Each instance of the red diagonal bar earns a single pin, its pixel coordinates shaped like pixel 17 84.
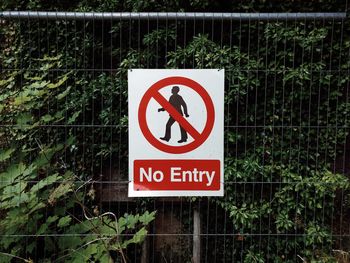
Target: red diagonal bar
pixel 176 115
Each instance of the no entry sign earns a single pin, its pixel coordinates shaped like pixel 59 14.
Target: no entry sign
pixel 176 132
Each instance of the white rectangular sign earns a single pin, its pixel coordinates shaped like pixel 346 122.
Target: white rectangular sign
pixel 176 132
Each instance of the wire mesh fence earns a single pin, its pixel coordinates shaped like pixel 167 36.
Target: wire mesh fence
pixel 287 149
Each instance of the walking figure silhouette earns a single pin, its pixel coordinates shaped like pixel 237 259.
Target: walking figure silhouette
pixel 178 103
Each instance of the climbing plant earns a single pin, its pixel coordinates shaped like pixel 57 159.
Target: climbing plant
pixel 286 117
pixel 48 208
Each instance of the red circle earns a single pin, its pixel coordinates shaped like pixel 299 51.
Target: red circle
pixel 179 81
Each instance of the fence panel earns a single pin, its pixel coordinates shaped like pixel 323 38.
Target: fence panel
pixel 287 149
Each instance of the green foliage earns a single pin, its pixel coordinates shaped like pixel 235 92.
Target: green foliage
pixel 40 188
pixel 298 204
pixel 253 257
pixel 286 115
pixel 290 154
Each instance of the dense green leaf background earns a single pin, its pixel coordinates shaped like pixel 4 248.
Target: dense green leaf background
pixel 63 106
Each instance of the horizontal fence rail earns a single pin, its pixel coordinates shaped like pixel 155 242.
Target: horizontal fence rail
pixel 169 15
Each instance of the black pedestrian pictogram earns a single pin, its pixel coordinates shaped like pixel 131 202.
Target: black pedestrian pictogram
pixel 178 103
pixel 199 137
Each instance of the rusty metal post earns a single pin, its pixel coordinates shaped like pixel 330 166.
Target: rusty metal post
pixel 196 253
pixel 144 252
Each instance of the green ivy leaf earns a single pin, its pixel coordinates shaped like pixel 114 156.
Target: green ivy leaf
pixel 24 119
pixel 60 191
pixel 63 94
pixel 147 217
pixel 22 99
pixel 47 118
pixel 64 221
pixel 74 117
pixel 58 83
pixel 6 154
pixel 12 173
pixel 137 238
pixel 44 182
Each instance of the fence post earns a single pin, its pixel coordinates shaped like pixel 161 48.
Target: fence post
pixel 196 258
pixel 144 252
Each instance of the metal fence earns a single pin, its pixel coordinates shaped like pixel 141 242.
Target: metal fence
pixel 286 124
